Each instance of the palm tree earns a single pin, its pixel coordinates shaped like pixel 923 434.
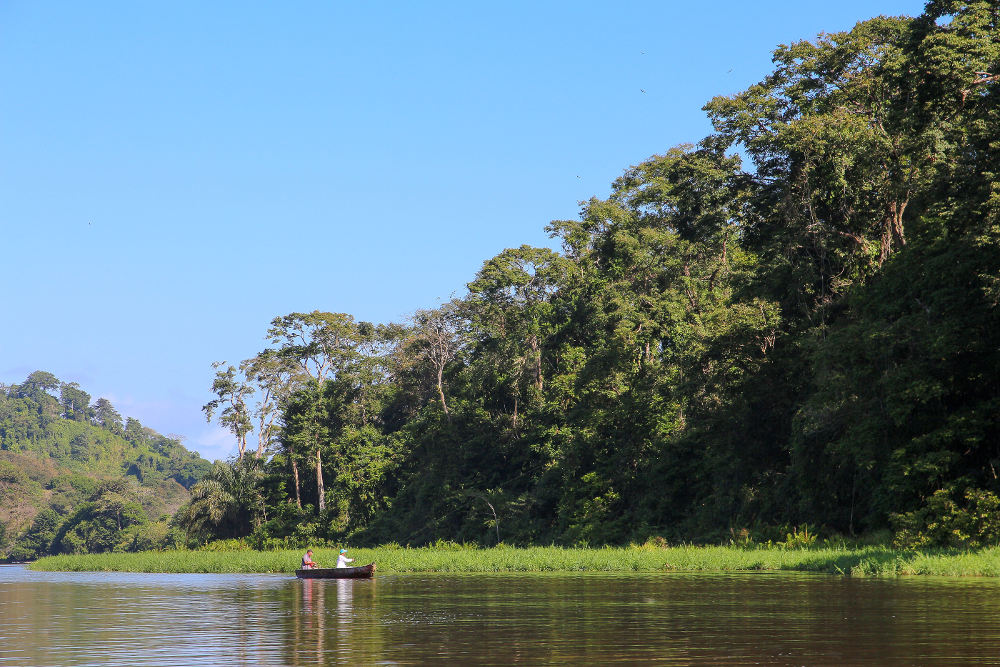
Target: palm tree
pixel 227 502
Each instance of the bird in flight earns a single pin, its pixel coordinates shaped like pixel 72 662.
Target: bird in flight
pixel 642 90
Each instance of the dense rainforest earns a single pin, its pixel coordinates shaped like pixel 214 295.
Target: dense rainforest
pixel 75 477
pixel 793 321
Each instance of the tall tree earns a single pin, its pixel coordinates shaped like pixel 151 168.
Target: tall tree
pixel 319 345
pixel 510 311
pixel 435 338
pixel 38 383
pixel 135 432
pixel 107 416
pixel 271 376
pixel 75 402
pixel 227 502
pixel 231 391
pixel 655 315
pixel 841 145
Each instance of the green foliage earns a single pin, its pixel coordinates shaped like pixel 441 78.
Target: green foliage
pixel 11 474
pixel 808 342
pixel 101 523
pixel 288 521
pixel 229 545
pixel 800 537
pixel 945 522
pixel 39 538
pixel 86 438
pixel 159 535
pixel 226 502
pixel 61 464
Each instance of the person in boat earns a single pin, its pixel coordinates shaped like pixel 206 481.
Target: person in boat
pixel 343 560
pixel 307 561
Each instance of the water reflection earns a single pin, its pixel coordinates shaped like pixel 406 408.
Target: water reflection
pixel 322 614
pixel 131 619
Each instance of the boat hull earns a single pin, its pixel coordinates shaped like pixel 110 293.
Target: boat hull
pixel 362 572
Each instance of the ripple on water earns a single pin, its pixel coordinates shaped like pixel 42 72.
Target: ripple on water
pixel 131 619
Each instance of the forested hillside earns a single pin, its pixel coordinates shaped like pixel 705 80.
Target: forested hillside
pixel 76 477
pixel 792 321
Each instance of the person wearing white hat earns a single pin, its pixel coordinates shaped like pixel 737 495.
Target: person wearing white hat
pixel 343 560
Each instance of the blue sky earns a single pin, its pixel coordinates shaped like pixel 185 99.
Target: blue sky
pixel 174 175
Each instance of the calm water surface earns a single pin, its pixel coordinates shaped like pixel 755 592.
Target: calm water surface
pixel 49 618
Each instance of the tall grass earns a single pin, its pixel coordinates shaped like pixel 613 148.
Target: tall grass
pixel 862 561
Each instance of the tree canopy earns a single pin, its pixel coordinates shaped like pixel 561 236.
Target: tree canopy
pixel 793 320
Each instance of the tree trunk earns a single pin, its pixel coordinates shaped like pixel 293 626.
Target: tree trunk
pixel 725 244
pixel 320 490
pixel 295 476
pixel 440 386
pixel 319 479
pixel 537 353
pixel 263 435
pixel 893 230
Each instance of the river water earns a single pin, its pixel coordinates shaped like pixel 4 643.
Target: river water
pixel 49 618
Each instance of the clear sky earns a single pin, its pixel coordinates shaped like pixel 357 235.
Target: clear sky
pixel 173 175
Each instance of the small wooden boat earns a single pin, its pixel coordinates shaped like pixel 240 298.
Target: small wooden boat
pixel 362 572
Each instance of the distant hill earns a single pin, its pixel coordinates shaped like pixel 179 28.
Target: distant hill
pixel 65 459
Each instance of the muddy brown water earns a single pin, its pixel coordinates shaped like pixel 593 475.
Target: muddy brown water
pixel 50 618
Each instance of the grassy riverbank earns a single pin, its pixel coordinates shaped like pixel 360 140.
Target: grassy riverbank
pixel 864 561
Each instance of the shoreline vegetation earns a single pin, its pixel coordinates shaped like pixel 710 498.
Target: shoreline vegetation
pixel 857 561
